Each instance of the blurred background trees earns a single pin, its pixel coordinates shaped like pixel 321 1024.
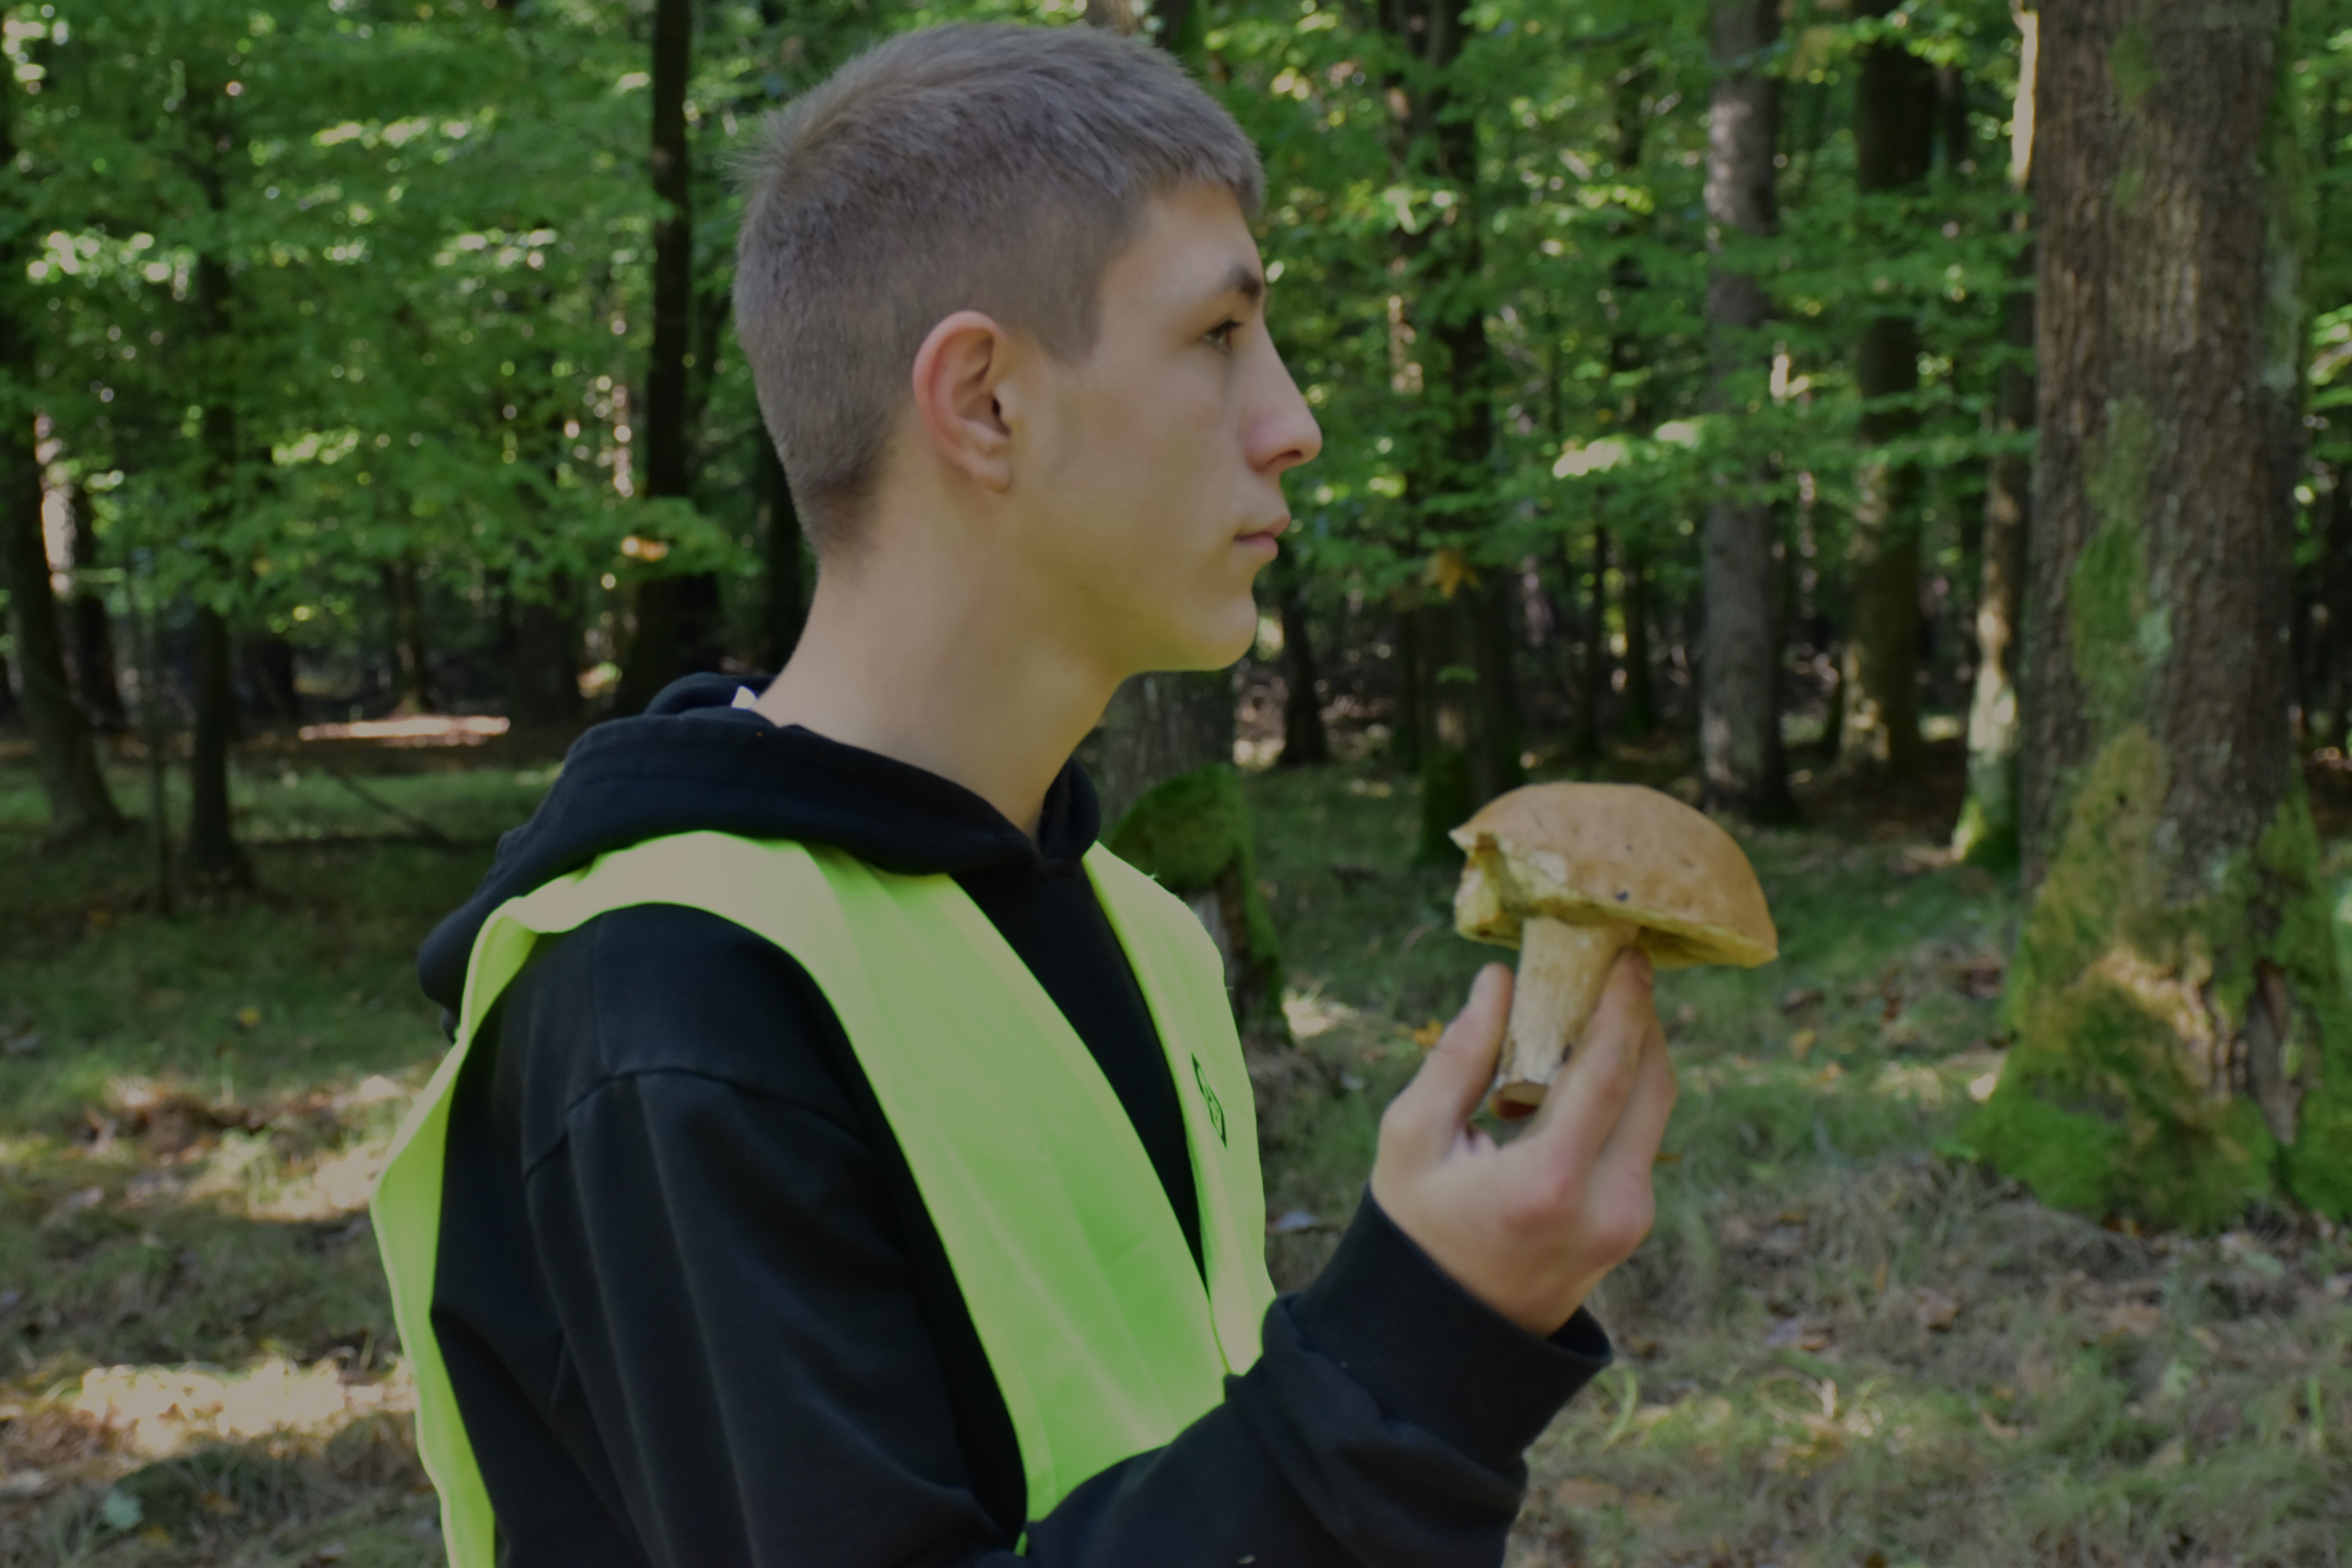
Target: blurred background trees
pixel 1675 360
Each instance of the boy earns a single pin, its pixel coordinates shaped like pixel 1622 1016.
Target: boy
pixel 846 1164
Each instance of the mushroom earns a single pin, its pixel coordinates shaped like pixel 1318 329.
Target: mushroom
pixel 1573 874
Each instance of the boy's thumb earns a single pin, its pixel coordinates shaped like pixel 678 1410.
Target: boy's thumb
pixel 1460 1067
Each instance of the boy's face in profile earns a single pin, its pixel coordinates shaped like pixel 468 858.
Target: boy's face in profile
pixel 1146 482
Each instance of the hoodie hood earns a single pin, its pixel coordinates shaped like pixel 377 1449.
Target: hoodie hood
pixel 693 762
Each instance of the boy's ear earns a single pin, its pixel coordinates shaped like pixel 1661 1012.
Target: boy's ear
pixel 959 395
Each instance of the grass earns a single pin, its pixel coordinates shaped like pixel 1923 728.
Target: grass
pixel 1845 1343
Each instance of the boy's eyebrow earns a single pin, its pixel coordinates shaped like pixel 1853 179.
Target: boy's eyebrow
pixel 1241 278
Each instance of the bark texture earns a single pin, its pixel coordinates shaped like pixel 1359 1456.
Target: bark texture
pixel 2182 1037
pixel 1740 765
pixel 1894 140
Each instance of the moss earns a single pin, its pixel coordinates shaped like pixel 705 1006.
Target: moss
pixel 2115 636
pixel 2131 64
pixel 2316 1169
pixel 2125 1003
pixel 1189 832
pixel 2117 999
pixel 1986 833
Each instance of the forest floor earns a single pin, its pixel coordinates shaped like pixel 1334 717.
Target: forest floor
pixel 1845 1343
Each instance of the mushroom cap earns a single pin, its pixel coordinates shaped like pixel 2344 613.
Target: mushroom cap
pixel 1595 853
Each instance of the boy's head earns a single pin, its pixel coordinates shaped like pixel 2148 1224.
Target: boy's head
pixel 985 284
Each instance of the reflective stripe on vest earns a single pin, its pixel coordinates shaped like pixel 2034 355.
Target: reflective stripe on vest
pixel 1065 1247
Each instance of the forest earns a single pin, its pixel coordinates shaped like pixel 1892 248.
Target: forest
pixel 1903 430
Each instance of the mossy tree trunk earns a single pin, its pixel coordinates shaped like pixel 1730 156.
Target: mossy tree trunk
pixel 1159 726
pixel 2183 1045
pixel 1193 833
pixel 1894 140
pixel 1986 833
pixel 1740 761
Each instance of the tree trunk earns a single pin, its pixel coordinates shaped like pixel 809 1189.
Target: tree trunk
pixel 9 710
pixel 1494 730
pixel 64 756
pixel 268 661
pixel 675 614
pixel 1159 726
pixel 213 855
pixel 1639 713
pixel 1591 671
pixel 95 678
pixel 1740 765
pixel 63 753
pixel 543 673
pixel 1411 735
pixel 2332 690
pixel 1448 794
pixel 412 671
pixel 780 535
pixel 1894 134
pixel 1304 741
pixel 1986 833
pixel 2181 1038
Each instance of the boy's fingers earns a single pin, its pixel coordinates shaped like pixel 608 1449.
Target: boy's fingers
pixel 1632 1146
pixel 1590 1094
pixel 1454 1076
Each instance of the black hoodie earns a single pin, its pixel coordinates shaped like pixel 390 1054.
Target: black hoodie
pixel 693 1308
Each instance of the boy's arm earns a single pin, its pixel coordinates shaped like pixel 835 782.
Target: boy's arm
pixel 741 1307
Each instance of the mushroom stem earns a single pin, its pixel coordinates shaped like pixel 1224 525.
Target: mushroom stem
pixel 1562 968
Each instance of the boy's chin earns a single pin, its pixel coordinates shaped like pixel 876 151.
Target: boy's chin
pixel 1199 648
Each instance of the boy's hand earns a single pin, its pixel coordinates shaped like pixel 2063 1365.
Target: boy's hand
pixel 1531 1227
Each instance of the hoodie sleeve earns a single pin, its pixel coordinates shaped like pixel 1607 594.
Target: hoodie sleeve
pixel 764 1370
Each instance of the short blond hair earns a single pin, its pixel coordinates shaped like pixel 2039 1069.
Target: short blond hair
pixel 992 166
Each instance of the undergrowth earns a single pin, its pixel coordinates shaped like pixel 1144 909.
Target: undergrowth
pixel 1844 1343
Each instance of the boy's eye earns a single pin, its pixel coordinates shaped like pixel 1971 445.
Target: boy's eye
pixel 1228 327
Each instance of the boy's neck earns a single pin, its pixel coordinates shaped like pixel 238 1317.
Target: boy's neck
pixel 933 670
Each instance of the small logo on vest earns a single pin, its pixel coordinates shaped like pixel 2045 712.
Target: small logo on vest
pixel 1216 1110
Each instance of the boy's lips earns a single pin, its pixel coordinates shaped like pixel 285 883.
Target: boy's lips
pixel 1267 534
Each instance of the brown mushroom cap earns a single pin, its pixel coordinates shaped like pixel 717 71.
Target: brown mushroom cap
pixel 1594 853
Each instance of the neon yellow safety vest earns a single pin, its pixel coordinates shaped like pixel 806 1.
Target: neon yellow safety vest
pixel 1080 1284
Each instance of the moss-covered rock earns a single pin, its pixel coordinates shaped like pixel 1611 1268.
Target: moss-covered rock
pixel 1192 833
